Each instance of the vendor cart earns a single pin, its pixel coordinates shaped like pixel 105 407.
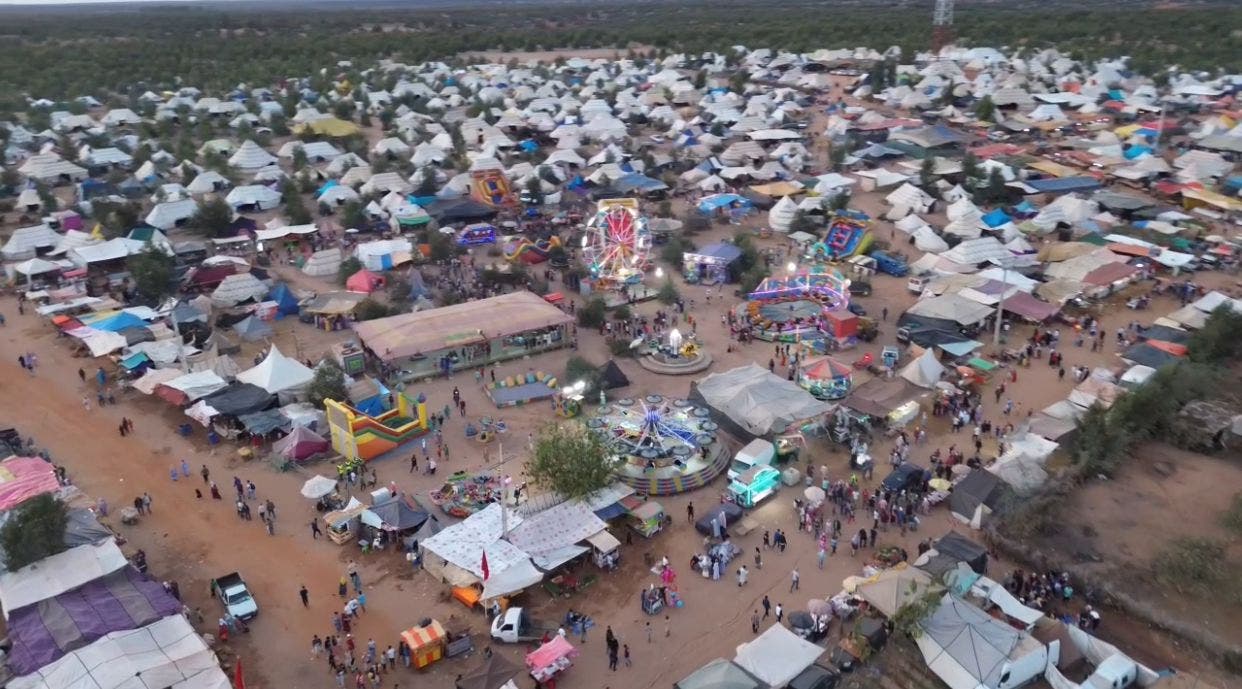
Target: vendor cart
pixel 551 659
pixel 342 525
pixel 647 519
pixel 605 550
pixel 427 642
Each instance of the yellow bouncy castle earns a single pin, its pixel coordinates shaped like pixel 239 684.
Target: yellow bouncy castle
pixel 359 436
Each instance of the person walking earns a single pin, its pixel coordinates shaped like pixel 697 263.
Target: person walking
pixel 794 580
pixel 206 474
pixel 612 659
pixel 146 502
pixel 780 613
pixel 648 628
pixel 767 607
pixel 742 574
pixel 668 627
pixel 315 532
pixel 625 650
pixel 754 622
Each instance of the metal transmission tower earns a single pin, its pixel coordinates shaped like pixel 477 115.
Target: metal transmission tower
pixel 942 25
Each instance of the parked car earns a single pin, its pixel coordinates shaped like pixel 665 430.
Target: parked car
pixel 905 476
pixel 232 592
pixel 857 309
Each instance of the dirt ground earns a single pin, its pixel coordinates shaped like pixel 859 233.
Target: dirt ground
pixel 1116 528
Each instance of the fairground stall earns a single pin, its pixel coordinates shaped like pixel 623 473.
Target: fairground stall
pixel 803 306
pixel 755 484
pixel 547 662
pixel 427 643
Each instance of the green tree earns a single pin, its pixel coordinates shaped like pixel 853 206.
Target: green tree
pixel 593 314
pixel 927 174
pixel 34 531
pixel 570 460
pixel 299 158
pixel 908 617
pixel 985 109
pixel 154 273
pixel 836 157
pixel 349 266
pixel 352 215
pixel 752 277
pixel 668 293
pixel 440 245
pixel 1219 341
pixel 577 369
pixel 328 383
pixel 295 208
pixel 674 250
pixel 970 169
pixel 370 309
pixel 214 217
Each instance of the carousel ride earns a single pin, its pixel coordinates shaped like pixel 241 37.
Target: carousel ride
pixel 826 378
pixel 617 244
pixel 807 305
pixel 665 446
pixel 674 354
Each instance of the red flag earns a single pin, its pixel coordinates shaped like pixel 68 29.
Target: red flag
pixel 239 682
pixel 486 570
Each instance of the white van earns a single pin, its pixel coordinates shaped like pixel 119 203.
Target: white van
pixel 757 452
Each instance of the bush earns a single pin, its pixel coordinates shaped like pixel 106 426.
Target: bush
pixel 35 530
pixel 674 251
pixel 1232 519
pixel 751 279
pixel 577 369
pixel 622 313
pixel 593 314
pixel 349 266
pixel 668 293
pixel 620 348
pixel 369 309
pixel 1192 564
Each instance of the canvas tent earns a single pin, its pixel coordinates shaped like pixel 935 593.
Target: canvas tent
pixel 168 654
pixel 612 377
pixel 777 655
pixel 124 599
pixel 890 589
pixel 57 574
pixel 278 373
pixel 455 554
pixel 323 263
pixel 301 443
pixel 720 674
pixel 968 649
pixel 252 329
pixel 238 399
pixel 976 496
pixel 752 402
pixel 924 371
pixel 190 387
pixel 237 289
pixel 551 537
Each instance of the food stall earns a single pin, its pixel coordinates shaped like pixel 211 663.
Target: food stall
pixel 755 484
pixel 343 525
pixel 647 518
pixel 551 659
pixel 426 642
pixel 605 550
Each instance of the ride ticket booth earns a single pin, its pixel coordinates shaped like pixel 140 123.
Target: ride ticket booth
pixel 755 484
pixel 426 643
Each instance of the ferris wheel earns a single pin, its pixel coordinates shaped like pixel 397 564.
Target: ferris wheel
pixel 617 242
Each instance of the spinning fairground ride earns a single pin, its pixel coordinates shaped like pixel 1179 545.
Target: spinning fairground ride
pixel 617 244
pixel 809 305
pixel 665 445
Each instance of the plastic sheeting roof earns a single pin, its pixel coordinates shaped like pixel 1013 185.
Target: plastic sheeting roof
pixel 168 654
pixel 23 478
pixel 552 534
pixel 777 655
pixel 758 401
pixel 61 572
pixel 964 646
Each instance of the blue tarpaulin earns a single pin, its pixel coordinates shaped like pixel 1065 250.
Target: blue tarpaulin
pixel 286 302
pixel 326 186
pixel 263 422
pixel 996 218
pixel 717 201
pixel 720 251
pixel 134 361
pixel 118 322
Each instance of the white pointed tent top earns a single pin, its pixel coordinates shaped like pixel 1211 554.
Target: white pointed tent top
pixel 782 214
pixel 277 373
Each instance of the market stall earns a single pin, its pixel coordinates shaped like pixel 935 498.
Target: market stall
pixel 551 659
pixel 426 643
pixel 647 519
pixel 755 484
pixel 342 525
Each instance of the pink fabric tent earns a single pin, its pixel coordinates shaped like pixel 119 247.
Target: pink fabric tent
pixel 22 478
pixel 301 443
pixel 364 281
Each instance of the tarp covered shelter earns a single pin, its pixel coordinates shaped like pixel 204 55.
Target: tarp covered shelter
pixel 924 371
pixel 58 573
pixel 890 589
pixel 455 554
pixel 240 398
pixel 551 537
pixel 190 387
pixel 957 546
pixel 23 478
pixel 168 654
pixel 364 281
pixel 400 513
pixel 750 401
pixel 493 674
pixel 976 496
pixel 237 289
pixel 969 649
pixel 286 300
pixel 252 329
pixel 777 655
pixel 124 599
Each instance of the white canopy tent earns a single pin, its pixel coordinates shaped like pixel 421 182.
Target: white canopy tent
pixel 278 373
pixel 777 655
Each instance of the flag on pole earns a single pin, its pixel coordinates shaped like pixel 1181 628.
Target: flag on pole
pixel 486 570
pixel 239 682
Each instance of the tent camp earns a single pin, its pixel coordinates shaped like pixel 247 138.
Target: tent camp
pixel 255 197
pixel 751 402
pixel 777 655
pixel 278 373
pixel 323 263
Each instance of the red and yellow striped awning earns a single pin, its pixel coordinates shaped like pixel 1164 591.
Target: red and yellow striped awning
pixel 422 637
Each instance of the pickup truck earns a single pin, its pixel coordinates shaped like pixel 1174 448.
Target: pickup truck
pixel 232 592
pixel 514 626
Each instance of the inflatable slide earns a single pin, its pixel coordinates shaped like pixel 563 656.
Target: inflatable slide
pixel 359 436
pixel 529 252
pixel 491 187
pixel 847 236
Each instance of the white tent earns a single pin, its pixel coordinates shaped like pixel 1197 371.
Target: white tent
pixel 924 371
pixel 323 263
pixel 197 385
pixel 278 373
pixel 58 573
pixel 35 266
pixel 238 288
pixel 250 156
pixel 26 241
pixel 167 215
pixel 208 181
pixel 455 555
pixel 551 537
pixel 757 401
pixel 257 195
pixel 777 655
pixel 782 214
pixel 968 649
pixel 168 654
